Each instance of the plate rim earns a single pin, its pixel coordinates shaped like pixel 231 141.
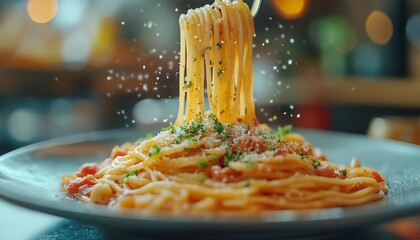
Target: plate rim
pixel 90 212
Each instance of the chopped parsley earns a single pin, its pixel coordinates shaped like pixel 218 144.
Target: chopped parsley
pixel 207 48
pixel 219 72
pixel 271 148
pixel 129 174
pixel 212 116
pixel 229 156
pixel 154 150
pixel 194 59
pixel 343 171
pixel 187 85
pixel 263 133
pixel 149 135
pixel 302 155
pixel 219 128
pixel 247 183
pixel 190 130
pixel 219 45
pixel 220 62
pixel 317 163
pixel 170 128
pixel 283 131
pixel 203 164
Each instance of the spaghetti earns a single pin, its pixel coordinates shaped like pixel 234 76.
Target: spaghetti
pixel 222 160
pixel 216 46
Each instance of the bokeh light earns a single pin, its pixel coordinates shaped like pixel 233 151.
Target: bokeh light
pixel 333 32
pixel 413 30
pixel 379 27
pixel 152 111
pixel 368 59
pixel 291 9
pixel 24 125
pixel 146 111
pixel 42 11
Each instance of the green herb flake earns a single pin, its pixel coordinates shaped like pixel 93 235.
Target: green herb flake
pixel 203 164
pixel 212 116
pixel 247 183
pixel 207 48
pixel 271 148
pixel 154 150
pixel 219 45
pixel 229 156
pixel 219 128
pixel 187 85
pixel 263 133
pixel 149 135
pixel 129 174
pixel 343 171
pixel 302 155
pixel 170 128
pixel 283 131
pixel 194 59
pixel 219 72
pixel 317 163
pixel 191 129
pixel 215 159
pixel 220 62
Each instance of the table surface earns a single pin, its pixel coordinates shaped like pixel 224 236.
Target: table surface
pixel 18 223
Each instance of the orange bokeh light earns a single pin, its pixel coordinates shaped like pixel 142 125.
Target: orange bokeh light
pixel 42 11
pixel 290 9
pixel 379 27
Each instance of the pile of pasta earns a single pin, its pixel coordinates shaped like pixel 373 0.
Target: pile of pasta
pixel 207 166
pixel 221 160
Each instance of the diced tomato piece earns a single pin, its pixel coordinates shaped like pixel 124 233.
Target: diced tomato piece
pixel 326 171
pixel 377 177
pixel 278 152
pixel 78 184
pixel 88 168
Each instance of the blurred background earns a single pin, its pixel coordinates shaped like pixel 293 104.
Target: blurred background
pixel 71 66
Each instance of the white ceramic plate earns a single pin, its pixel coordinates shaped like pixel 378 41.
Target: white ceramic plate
pixel 30 177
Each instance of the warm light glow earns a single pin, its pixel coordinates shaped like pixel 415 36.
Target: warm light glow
pixel 42 11
pixel 290 9
pixel 379 27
